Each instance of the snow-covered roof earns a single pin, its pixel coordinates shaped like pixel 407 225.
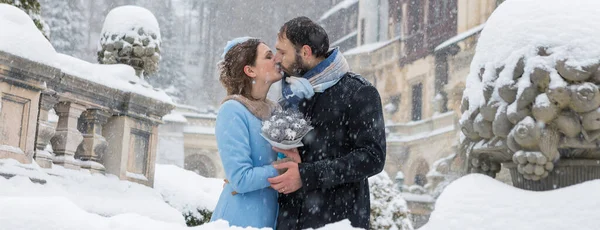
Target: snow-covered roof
pixel 342 5
pixel 348 36
pixel 460 37
pixel 370 47
pixel 199 115
pixel 20 36
pixel 477 201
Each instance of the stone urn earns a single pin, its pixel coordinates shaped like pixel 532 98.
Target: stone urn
pixel 131 36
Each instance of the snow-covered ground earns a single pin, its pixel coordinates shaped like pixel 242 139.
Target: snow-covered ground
pixel 480 202
pixel 73 200
pixel 93 193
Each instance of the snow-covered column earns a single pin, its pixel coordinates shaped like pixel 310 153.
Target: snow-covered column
pixel 131 36
pixel 94 144
pixel 45 130
pixel 67 137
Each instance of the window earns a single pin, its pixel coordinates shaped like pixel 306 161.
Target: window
pixel 138 152
pixel 420 179
pixel 440 8
pixel 417 101
pixel 362 31
pixel 397 25
pixel 378 20
pixel 415 14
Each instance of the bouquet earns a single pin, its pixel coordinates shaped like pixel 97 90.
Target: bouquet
pixel 285 129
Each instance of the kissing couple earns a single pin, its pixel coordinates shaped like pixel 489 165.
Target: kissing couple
pixel 324 180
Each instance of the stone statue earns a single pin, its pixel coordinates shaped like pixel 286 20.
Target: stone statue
pixel 131 36
pixel 532 125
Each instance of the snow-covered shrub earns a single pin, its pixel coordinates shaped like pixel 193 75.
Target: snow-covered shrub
pixel 193 195
pixel 131 36
pixel 192 219
pixel 285 129
pixel 388 208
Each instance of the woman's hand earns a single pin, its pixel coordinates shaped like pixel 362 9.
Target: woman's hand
pixel 291 153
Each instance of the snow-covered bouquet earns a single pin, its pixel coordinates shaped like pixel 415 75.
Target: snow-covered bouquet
pixel 285 129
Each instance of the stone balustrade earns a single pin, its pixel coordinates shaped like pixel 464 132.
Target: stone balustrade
pixel 100 129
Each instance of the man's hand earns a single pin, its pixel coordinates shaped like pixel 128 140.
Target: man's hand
pixel 288 182
pixel 291 153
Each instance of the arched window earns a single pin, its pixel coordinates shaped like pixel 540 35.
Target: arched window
pixel 421 169
pixel 200 164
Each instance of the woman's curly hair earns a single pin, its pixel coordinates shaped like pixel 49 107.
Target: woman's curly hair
pixel 231 69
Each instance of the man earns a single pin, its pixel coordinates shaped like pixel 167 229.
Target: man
pixel 347 144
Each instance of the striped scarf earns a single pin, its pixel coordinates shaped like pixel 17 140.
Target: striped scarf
pixel 323 76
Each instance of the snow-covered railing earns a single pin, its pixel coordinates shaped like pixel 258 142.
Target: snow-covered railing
pixel 99 128
pixel 436 125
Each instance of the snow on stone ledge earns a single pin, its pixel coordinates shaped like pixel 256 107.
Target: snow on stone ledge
pixel 124 20
pixel 174 117
pixel 370 47
pixel 20 36
pixel 118 76
pixel 480 202
pixel 517 28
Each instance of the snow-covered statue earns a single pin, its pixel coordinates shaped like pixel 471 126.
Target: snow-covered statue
pixel 532 98
pixel 130 36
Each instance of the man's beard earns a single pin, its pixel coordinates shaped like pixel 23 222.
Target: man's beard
pixel 297 68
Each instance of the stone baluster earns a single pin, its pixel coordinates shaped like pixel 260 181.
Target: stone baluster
pixel 94 145
pixel 67 137
pixel 45 130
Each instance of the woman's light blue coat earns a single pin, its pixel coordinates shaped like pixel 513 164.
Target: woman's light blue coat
pixel 246 158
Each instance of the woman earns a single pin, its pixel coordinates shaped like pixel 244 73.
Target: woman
pixel 247 72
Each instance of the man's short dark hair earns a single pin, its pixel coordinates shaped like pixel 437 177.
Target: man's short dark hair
pixel 303 31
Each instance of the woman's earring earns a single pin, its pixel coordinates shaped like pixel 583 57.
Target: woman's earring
pixel 253 81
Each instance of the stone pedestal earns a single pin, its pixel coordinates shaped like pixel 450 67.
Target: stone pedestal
pixel 94 145
pixel 566 173
pixel 45 130
pixel 131 151
pixel 67 137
